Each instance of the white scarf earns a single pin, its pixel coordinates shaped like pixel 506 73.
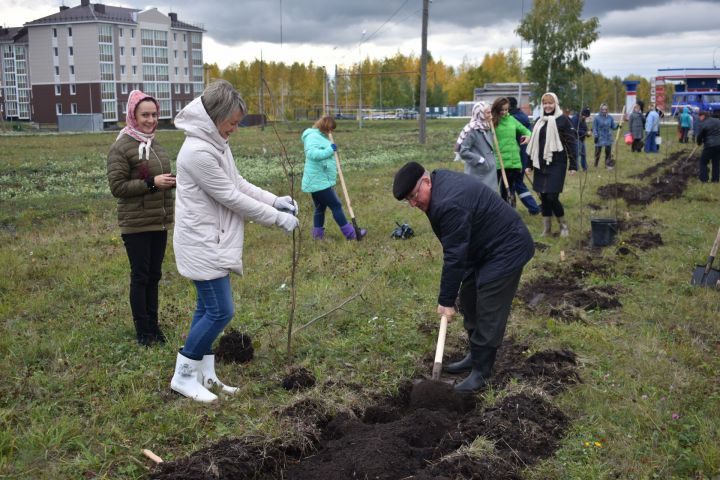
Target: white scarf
pixel 552 137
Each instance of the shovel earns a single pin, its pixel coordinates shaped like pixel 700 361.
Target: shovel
pixel 358 237
pixel 704 274
pixel 440 349
pixel 510 194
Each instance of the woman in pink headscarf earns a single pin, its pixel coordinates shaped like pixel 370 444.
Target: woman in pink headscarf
pixel 138 171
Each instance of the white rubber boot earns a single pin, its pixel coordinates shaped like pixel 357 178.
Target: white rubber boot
pixel 185 380
pixel 207 376
pixel 564 232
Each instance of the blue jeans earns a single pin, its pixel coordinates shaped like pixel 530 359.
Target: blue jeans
pixel 327 199
pixel 214 311
pixel 650 146
pixel 582 155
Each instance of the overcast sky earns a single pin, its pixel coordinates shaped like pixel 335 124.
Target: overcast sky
pixel 636 36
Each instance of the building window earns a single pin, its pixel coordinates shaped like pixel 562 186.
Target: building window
pixel 122 50
pixel 54 32
pixel 174 36
pixel 184 37
pixel 178 106
pixel 73 89
pixel 136 86
pixel 186 73
pixel 57 71
pixel 132 33
pixel 55 51
pixel 123 88
pixel 185 54
pixel 121 33
pixel 105 33
pixel 73 108
pixel 187 88
pixel 57 90
pixel 134 69
pixel 72 69
pixel 69 31
pixel 122 69
pixel 132 51
pixel 72 52
pixel 175 53
pixel 58 108
pixel 177 89
pixel 177 70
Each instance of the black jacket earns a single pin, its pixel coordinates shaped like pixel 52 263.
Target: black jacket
pixel 479 232
pixel 551 178
pixel 709 132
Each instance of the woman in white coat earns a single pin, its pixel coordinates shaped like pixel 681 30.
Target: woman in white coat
pixel 212 203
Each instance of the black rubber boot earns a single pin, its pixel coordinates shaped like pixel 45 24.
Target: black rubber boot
pixel 464 365
pixel 483 359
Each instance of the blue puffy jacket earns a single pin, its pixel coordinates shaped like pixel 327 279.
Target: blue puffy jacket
pixel 320 171
pixel 602 129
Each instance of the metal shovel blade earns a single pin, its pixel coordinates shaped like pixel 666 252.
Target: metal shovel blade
pixel 709 279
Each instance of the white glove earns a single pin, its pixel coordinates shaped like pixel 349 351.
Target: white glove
pixel 286 203
pixel 286 221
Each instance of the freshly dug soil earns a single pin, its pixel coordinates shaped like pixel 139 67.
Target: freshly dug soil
pixel 645 241
pixel 234 347
pixel 298 378
pixel 666 186
pixel 395 439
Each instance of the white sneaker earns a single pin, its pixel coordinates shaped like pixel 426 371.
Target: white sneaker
pixel 207 377
pixel 185 380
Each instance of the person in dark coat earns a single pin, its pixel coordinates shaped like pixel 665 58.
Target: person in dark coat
pixel 709 136
pixel 552 150
pixel 579 123
pixel 485 246
pixel 636 123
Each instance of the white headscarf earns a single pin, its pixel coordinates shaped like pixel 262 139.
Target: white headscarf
pixel 552 137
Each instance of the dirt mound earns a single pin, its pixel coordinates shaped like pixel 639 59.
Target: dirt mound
pixel 666 186
pixel 645 241
pixel 234 347
pixel 396 439
pixel 241 458
pixel 561 297
pixel 298 378
pixel 652 171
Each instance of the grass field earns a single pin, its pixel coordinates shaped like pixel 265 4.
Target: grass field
pixel 80 399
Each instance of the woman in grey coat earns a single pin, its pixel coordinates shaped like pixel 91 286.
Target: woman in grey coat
pixel 637 127
pixel 475 148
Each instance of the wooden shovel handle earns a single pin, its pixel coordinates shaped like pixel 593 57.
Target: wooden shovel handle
pixel 342 179
pixel 713 252
pixel 499 155
pixel 152 456
pixel 440 349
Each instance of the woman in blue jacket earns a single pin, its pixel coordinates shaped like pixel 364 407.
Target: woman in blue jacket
pixel 603 125
pixel 320 177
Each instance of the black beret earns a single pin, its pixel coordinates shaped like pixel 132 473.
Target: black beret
pixel 406 178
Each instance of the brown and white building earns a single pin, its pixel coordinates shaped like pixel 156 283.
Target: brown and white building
pixel 87 59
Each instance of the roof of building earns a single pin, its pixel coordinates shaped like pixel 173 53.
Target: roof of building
pixel 13 34
pixel 98 12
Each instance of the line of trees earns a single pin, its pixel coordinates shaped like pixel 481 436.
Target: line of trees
pixel 559 38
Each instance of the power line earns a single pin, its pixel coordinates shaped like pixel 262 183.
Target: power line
pixel 386 21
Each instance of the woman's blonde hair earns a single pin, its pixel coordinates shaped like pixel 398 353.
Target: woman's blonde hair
pixel 325 124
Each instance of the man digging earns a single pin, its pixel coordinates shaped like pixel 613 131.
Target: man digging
pixel 485 246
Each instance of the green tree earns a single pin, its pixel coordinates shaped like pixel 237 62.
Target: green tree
pixel 560 40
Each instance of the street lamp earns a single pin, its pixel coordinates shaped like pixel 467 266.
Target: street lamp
pixel 714 56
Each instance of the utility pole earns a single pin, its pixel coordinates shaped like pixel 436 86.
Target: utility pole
pixel 262 97
pixel 335 89
pixel 423 72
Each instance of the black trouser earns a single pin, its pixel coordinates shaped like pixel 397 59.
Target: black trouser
pixel 145 251
pixel 710 154
pixel 684 134
pixel 486 308
pixel 608 155
pixel 551 205
pixel 637 145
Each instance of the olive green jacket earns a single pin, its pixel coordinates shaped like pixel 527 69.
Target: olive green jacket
pixel 139 208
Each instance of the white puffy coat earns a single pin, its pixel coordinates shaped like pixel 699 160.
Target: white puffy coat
pixel 212 201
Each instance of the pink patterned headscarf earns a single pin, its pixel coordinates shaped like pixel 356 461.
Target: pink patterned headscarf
pixel 131 124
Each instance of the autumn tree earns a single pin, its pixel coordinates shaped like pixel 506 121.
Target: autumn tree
pixel 560 39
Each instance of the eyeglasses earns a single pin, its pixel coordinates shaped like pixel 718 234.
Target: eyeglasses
pixel 413 196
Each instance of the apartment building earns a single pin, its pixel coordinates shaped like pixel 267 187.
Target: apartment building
pixel 14 77
pixel 87 59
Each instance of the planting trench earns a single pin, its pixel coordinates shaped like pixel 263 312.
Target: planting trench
pixel 394 438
